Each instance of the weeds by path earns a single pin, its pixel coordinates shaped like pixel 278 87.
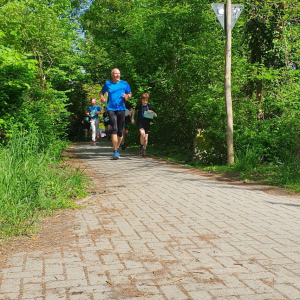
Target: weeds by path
pixel 32 184
pixel 247 167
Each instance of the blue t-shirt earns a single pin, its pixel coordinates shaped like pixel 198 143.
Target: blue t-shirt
pixel 115 94
pixel 92 111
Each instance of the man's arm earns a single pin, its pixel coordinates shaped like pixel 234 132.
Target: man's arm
pixel 102 97
pixel 127 96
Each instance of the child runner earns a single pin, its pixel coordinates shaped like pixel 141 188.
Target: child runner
pixel 86 124
pixel 94 110
pixel 145 115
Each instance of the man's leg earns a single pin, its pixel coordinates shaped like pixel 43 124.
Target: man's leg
pixel 116 141
pixel 117 119
pixel 113 121
pixel 120 124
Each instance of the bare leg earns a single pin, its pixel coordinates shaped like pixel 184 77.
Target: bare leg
pixel 146 141
pixel 120 138
pixel 125 132
pixel 116 141
pixel 142 136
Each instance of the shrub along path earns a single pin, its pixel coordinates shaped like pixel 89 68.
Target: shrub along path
pixel 152 230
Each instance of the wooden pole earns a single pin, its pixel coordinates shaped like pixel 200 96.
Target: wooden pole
pixel 229 116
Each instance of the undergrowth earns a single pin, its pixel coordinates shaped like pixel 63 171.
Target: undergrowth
pixel 32 184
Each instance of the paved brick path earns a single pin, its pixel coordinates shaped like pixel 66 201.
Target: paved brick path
pixel 164 232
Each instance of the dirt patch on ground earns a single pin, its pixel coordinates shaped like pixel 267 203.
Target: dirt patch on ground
pixel 53 232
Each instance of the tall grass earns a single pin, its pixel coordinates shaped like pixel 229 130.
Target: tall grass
pixel 30 183
pixel 250 165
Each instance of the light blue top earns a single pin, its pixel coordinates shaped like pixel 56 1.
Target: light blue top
pixel 115 94
pixel 92 111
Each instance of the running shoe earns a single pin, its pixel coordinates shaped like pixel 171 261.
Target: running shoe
pixel 116 155
pixel 144 153
pixel 123 147
pixel 94 143
pixel 141 150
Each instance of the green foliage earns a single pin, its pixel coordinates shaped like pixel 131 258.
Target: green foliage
pixel 17 72
pixel 40 71
pixel 32 182
pixel 175 51
pixel 40 74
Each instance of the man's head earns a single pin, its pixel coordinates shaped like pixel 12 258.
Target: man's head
pixel 145 98
pixel 93 101
pixel 115 75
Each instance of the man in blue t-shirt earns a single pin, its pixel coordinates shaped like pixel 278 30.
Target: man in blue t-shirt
pixel 118 92
pixel 94 111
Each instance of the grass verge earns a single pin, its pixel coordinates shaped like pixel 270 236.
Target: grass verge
pixel 32 184
pixel 246 167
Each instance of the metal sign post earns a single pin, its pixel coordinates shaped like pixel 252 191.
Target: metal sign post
pixel 227 16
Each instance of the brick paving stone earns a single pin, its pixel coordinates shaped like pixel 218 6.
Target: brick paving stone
pixel 173 292
pixel 288 290
pixel 272 296
pixel 53 267
pixel 32 291
pixel 10 285
pixel 9 296
pixel 199 295
pixel 162 231
pixel 75 273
